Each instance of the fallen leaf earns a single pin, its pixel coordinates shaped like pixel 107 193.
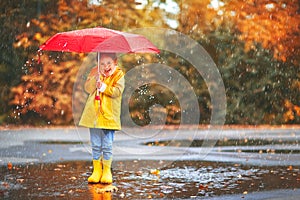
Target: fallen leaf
pixel 203 187
pixel 155 171
pixel 9 166
pixel 139 173
pixel 5 184
pixel 20 180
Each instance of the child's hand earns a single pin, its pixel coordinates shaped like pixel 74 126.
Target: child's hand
pixel 99 84
pixel 96 77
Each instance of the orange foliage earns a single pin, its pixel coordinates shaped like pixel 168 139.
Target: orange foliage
pixel 273 24
pixel 46 92
pixel 195 17
pixel 292 111
pixel 46 88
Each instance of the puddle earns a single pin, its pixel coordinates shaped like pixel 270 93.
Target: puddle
pixel 221 143
pixel 180 179
pixel 268 151
pixel 59 142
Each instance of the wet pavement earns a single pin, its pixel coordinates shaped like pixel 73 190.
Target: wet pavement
pixel 180 180
pixel 164 164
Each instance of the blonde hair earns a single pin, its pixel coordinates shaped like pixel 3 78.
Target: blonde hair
pixel 111 55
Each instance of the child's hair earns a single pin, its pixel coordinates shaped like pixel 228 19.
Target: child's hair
pixel 112 55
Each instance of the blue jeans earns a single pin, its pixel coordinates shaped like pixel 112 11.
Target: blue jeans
pixel 101 140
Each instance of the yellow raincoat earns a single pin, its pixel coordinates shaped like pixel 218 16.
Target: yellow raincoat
pixel 105 113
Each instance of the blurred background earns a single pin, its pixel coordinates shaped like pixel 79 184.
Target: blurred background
pixel 254 43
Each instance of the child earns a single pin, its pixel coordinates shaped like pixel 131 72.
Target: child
pixel 102 114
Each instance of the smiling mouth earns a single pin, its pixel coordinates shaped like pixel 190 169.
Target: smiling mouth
pixel 107 70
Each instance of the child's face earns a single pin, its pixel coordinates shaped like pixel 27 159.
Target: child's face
pixel 107 65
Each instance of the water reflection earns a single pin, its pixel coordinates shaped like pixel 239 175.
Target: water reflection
pixel 96 194
pixel 181 179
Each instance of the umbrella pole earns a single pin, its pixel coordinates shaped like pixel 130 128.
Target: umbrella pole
pixel 98 67
pixel 97 97
pixel 98 62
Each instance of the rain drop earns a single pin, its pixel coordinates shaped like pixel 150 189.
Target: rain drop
pixel 270 6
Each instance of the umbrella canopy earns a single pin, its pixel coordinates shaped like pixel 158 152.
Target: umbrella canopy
pixel 99 39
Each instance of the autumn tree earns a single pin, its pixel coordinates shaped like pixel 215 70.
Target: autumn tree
pixel 275 25
pixel 14 18
pixel 255 44
pixel 272 24
pixel 47 83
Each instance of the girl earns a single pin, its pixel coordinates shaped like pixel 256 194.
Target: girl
pixel 102 113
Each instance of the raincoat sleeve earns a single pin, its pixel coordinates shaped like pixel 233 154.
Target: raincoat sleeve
pixel 116 89
pixel 90 84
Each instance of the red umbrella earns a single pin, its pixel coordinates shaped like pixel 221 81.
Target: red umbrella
pixel 99 39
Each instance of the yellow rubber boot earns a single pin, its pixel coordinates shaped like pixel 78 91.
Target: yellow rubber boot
pixel 97 172
pixel 106 176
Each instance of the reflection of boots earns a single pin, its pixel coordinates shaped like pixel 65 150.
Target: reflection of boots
pixel 106 176
pixel 97 172
pixel 96 195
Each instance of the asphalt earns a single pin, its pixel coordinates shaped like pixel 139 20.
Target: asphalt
pixel 57 144
pixel 42 145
